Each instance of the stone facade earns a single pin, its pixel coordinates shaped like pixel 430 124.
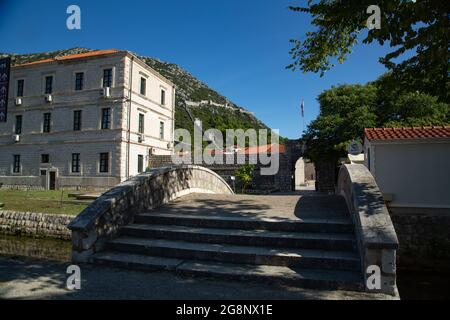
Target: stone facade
pixel 122 141
pixel 35 224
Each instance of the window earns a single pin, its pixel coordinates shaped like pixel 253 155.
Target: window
pixel 140 163
pixel 106 118
pixel 141 123
pixel 20 85
pixel 143 86
pixel 16 164
pixel 77 120
pixel 104 162
pixel 161 130
pixel 79 81
pixel 75 162
pixel 47 122
pixel 163 97
pixel 107 78
pixel 45 158
pixel 18 124
pixel 48 85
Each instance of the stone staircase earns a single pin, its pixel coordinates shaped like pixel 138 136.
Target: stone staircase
pixel 308 252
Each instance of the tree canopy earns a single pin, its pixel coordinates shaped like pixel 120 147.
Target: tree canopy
pixel 417 31
pixel 346 110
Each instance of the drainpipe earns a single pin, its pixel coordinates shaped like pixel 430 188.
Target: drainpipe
pixel 173 118
pixel 130 83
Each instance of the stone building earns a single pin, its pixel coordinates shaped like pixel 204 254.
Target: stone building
pixel 87 120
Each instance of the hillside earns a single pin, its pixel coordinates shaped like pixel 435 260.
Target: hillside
pixel 189 89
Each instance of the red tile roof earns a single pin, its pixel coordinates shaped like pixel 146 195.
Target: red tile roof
pixel 411 133
pixel 72 57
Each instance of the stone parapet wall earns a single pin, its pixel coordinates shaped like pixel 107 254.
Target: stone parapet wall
pixel 102 219
pixel 35 224
pixel 376 238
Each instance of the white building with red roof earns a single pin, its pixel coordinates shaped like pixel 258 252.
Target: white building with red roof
pixel 86 120
pixel 410 165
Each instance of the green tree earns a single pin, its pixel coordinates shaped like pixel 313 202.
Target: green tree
pixel 344 113
pixel 346 110
pixel 417 109
pixel 417 31
pixel 245 175
pixel 399 107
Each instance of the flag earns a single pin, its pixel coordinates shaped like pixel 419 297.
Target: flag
pixel 303 108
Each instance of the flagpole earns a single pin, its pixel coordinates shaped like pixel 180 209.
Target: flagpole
pixel 302 107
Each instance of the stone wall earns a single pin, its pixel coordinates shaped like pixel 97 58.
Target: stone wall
pixel 376 238
pixel 104 217
pixel 325 176
pixel 424 236
pixel 261 183
pixel 34 224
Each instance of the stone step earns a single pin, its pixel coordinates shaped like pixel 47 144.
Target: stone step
pixel 237 254
pixel 135 261
pixel 324 241
pixel 306 278
pixel 336 225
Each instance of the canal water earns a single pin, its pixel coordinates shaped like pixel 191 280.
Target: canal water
pixel 40 249
pixel 411 285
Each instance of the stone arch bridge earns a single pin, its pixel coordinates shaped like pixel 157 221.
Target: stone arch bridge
pixel 187 219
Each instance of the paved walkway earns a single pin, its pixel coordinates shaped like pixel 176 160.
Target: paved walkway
pixel 295 205
pixel 21 279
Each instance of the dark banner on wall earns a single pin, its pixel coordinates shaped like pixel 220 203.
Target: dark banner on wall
pixel 5 65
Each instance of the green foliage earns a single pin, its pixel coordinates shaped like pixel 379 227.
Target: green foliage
pixel 347 109
pixel 344 113
pixel 245 175
pixel 417 109
pixel 219 118
pixel 419 28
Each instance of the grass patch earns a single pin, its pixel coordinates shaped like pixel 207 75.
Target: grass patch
pixel 40 201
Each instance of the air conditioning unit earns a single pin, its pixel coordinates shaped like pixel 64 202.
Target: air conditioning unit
pixel 18 101
pixel 16 138
pixel 48 98
pixel 141 138
pixel 106 92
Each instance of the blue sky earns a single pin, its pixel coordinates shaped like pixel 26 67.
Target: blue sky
pixel 237 47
